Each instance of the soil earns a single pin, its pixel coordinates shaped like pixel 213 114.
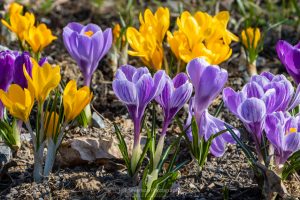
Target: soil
pixel 97 181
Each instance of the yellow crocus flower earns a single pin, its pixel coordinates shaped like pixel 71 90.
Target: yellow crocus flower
pixel 147 41
pixel 75 100
pixel 18 102
pixel 177 42
pixel 15 8
pixel 20 24
pixel 221 21
pixel 44 79
pixel 202 35
pixel 251 36
pixel 39 37
pixel 157 24
pixel 146 47
pixel 51 123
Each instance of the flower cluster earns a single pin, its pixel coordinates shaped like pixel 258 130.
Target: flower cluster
pixel 202 35
pixel 41 81
pixel 264 96
pixel 136 88
pixel 147 41
pixel 267 105
pixel 37 37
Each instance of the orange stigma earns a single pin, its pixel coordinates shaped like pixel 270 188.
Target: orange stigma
pixel 89 33
pixel 293 130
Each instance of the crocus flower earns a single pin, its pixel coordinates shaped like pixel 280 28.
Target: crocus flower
pixel 21 61
pixel 251 37
pixel 87 45
pixel 203 36
pixel 290 57
pixel 7 59
pixel 208 81
pixel 156 24
pixel 136 89
pixel 210 125
pixel 147 41
pixel 18 101
pixel 146 47
pixel 282 131
pixel 20 24
pixel 39 37
pixel 262 95
pixel 15 8
pixel 175 94
pixel 43 80
pixel 75 100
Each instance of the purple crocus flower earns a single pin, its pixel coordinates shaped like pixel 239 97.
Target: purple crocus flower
pixel 7 59
pixel 208 81
pixel 136 88
pixel 175 94
pixel 282 131
pixel 262 95
pixel 290 57
pixel 87 45
pixel 22 60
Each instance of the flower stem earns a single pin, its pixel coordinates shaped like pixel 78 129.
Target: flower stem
pixel 16 134
pixel 160 146
pixel 50 158
pixel 87 121
pixel 38 164
pixel 252 68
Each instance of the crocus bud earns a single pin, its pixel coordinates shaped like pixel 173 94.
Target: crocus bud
pixel 251 37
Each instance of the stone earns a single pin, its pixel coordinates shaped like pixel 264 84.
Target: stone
pixel 25 137
pixel 97 121
pixel 5 154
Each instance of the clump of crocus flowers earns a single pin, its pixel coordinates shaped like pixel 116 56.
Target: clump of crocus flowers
pixel 267 105
pixel 198 35
pixel 136 88
pixel 202 35
pixel 31 38
pixel 42 88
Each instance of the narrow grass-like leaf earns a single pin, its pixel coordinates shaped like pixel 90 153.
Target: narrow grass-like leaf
pixel 144 182
pixel 156 183
pixel 247 152
pixel 216 114
pixel 292 165
pixel 123 148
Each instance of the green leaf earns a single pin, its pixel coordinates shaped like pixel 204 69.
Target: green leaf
pixel 145 149
pixel 292 165
pixel 153 191
pixel 123 148
pixel 167 185
pixel 195 150
pixel 216 114
pixel 247 152
pixel 144 182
